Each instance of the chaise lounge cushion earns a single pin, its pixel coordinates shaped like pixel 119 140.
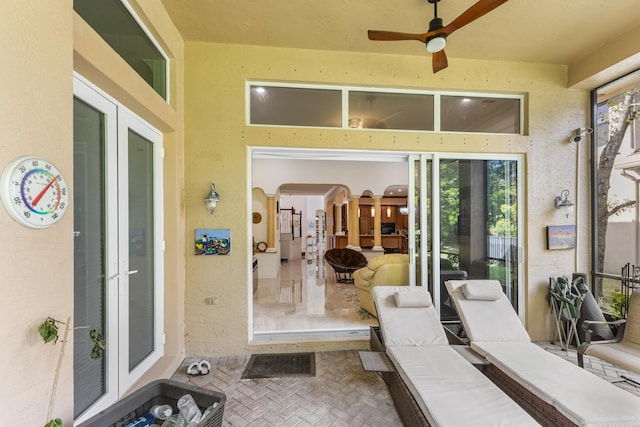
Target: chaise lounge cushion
pixel 580 396
pixel 496 332
pixel 452 392
pixel 407 326
pixel 486 320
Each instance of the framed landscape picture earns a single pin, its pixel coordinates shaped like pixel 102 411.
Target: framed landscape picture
pixel 561 237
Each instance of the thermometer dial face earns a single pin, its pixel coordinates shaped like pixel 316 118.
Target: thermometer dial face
pixel 34 192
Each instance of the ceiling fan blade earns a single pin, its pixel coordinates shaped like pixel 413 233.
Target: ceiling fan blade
pixel 439 60
pixel 393 36
pixel 474 12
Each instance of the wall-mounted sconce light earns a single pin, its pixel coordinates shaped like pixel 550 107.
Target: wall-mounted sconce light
pixel 563 202
pixel 212 199
pixel 373 212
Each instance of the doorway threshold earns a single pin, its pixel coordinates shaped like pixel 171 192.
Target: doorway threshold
pixel 297 336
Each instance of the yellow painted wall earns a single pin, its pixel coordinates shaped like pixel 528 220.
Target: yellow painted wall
pixel 217 151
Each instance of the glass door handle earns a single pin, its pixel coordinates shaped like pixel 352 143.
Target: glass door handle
pixel 131 272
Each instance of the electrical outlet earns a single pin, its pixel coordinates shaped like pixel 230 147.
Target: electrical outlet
pixel 211 301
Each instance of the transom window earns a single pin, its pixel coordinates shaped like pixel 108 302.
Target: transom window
pixel 116 23
pixel 284 104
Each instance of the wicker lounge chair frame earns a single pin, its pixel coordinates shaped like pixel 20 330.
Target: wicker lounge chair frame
pixel 403 400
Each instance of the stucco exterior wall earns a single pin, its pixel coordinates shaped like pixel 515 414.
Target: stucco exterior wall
pixel 42 44
pixel 218 137
pixel 36 265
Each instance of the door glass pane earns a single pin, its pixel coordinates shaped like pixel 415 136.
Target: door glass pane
pixel 141 250
pixel 89 252
pixel 478 224
pixel 416 223
pixel 390 110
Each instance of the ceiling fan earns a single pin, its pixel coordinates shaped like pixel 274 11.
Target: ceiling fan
pixel 436 37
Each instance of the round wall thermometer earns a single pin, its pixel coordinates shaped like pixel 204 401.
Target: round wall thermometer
pixel 34 192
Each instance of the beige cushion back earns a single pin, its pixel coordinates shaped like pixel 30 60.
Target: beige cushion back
pixel 407 326
pixel 486 319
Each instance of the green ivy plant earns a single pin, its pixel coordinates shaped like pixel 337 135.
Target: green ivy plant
pixel 99 344
pixel 49 330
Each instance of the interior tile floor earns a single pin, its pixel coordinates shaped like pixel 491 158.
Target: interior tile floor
pixel 341 393
pixel 307 298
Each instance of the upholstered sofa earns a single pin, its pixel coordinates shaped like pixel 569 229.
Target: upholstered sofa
pixel 384 270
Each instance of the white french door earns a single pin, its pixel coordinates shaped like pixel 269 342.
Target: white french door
pixel 118 256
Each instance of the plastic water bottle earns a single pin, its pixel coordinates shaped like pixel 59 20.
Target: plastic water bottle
pixel 175 420
pixel 161 412
pixel 189 409
pixel 144 421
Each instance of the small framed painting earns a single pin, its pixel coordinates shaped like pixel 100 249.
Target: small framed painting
pixel 213 242
pixel 561 237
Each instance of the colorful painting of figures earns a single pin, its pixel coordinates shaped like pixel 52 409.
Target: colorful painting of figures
pixel 561 237
pixel 213 242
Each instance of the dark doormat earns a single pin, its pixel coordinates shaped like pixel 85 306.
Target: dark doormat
pixel 280 365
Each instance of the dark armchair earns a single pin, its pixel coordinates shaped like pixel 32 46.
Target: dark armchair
pixel 344 262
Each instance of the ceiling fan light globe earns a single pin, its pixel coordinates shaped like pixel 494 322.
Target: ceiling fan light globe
pixel 436 44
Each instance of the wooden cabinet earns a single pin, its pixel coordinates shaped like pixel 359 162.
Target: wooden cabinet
pixel 402 221
pixel 366 225
pixel 341 242
pixel 388 213
pixel 392 242
pixel 366 241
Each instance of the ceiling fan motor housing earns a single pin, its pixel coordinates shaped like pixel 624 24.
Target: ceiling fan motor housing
pixel 435 24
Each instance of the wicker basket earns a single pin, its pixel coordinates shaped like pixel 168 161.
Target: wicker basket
pixel 160 392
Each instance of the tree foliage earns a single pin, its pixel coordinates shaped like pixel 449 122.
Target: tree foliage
pixel 620 114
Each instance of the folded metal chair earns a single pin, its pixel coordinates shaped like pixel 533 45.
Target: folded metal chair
pixel 565 300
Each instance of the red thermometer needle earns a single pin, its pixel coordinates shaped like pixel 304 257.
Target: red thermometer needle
pixel 44 190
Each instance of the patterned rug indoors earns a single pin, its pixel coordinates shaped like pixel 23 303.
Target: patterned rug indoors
pixel 350 293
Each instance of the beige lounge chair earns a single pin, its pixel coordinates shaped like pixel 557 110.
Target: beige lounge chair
pixel 553 390
pixel 622 351
pixel 433 384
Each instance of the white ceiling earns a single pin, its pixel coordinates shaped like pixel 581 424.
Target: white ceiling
pixel 543 31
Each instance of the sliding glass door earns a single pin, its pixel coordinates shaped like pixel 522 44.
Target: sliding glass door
pixel 470 219
pixel 118 248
